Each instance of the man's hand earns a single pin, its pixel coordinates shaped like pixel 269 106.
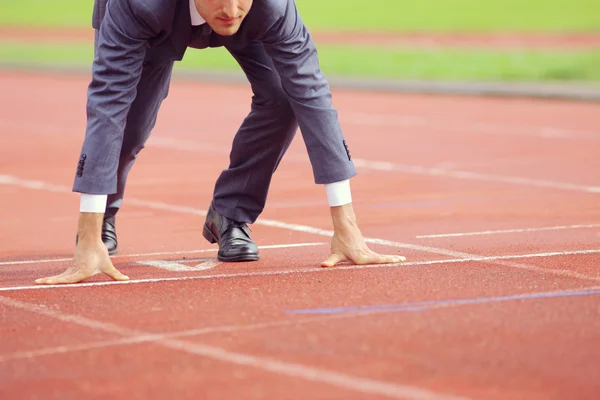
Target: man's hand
pixel 91 256
pixel 348 244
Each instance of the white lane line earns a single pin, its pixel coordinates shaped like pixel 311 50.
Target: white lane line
pixel 522 230
pixel 296 228
pixel 329 233
pixel 48 351
pixel 423 123
pixel 545 132
pixel 225 329
pixel 193 146
pixel 165 253
pixel 477 176
pixel 317 231
pixel 417 121
pixel 499 260
pixel 293 370
pixel 39 185
pixel 385 166
pixel 181 334
pixel 33 184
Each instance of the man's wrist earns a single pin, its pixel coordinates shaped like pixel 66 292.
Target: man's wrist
pixel 92 203
pixel 89 229
pixel 343 217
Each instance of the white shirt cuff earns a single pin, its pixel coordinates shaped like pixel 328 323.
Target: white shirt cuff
pixel 338 193
pixel 92 203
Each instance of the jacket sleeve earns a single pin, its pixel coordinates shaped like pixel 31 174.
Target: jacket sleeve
pixel 289 44
pixel 120 47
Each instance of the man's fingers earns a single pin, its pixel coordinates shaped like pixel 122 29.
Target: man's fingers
pixel 376 258
pixel 62 279
pixel 115 273
pixel 46 281
pixel 78 277
pixel 74 275
pixel 333 259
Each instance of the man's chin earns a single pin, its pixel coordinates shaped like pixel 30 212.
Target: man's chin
pixel 228 30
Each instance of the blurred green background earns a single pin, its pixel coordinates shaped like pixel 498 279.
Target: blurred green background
pixel 363 59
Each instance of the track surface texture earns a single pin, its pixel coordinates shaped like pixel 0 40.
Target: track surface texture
pixel 494 202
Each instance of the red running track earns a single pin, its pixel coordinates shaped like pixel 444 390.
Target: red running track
pixel 495 203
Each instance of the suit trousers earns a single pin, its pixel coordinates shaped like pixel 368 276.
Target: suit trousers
pixel 261 141
pixel 240 192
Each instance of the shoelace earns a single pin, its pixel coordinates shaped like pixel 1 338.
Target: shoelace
pixel 236 224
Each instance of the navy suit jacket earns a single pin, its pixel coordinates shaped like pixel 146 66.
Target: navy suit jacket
pixel 131 33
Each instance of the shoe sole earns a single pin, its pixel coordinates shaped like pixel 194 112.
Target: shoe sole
pixel 208 235
pixel 239 258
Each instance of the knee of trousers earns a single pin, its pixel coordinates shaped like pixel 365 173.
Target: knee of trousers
pixel 129 153
pixel 134 141
pixel 272 96
pixel 278 108
pixel 285 114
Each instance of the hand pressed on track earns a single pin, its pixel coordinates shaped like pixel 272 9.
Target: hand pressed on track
pixel 348 243
pixel 89 259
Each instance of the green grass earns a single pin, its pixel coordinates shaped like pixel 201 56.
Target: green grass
pixel 46 13
pixel 398 15
pixel 453 15
pixel 362 62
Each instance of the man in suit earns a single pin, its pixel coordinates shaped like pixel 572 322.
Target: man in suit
pixel 136 44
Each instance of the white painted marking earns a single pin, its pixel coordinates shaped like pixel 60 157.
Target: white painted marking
pixel 420 170
pixel 549 293
pixel 187 333
pixel 277 224
pixel 468 175
pixel 164 253
pixel 364 119
pixel 294 370
pixel 227 328
pixel 544 132
pixel 417 169
pixel 360 119
pixel 220 329
pixel 187 145
pixel 522 230
pixel 33 184
pixel 539 131
pixel 74 348
pixel 292 245
pixel 487 259
pixel 328 233
pixel 179 267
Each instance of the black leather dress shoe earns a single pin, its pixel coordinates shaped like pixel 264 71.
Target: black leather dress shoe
pixel 235 243
pixel 109 235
